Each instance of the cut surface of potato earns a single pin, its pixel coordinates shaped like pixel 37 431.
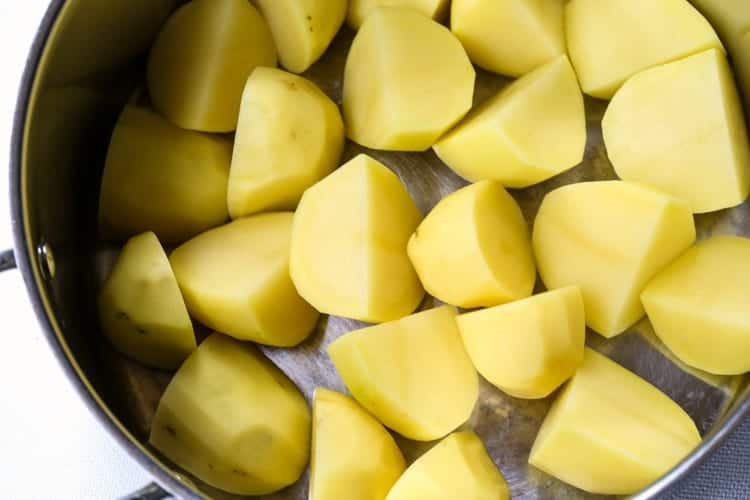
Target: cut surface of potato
pixel 353 456
pixel 611 432
pixel 348 255
pixel 698 305
pixel 530 131
pixel 289 136
pixel 609 41
pixel 141 309
pixel 511 37
pixel 302 29
pixel 609 238
pixel 473 249
pixel 160 178
pixel 679 128
pixel 235 279
pixel 527 348
pixel 456 467
pixel 360 9
pixel 407 80
pixel 413 374
pixel 234 420
pixel 201 59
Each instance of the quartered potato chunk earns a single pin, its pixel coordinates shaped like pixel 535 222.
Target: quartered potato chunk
pixel 360 9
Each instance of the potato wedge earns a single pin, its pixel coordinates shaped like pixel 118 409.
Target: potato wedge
pixel 360 9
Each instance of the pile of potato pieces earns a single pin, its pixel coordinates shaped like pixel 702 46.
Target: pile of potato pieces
pixel 309 236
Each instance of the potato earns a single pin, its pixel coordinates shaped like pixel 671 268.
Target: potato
pixel 679 128
pixel 511 37
pixel 234 420
pixel 289 136
pixel 160 178
pixel 302 29
pixel 457 467
pixel 609 238
pixel 495 142
pixel 235 279
pixel 353 456
pixel 348 254
pixel 413 374
pixel 360 9
pixel 407 80
pixel 741 59
pixel 609 41
pixel 201 59
pixel 611 432
pixel 698 305
pixel 530 347
pixel 141 309
pixel 731 18
pixel 473 249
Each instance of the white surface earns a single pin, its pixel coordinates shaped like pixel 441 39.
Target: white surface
pixel 50 446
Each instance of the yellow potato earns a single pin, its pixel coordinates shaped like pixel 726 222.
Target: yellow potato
pixel 413 374
pixel 353 456
pixel 234 420
pixel 530 347
pixel 201 59
pixel 348 254
pixel 473 249
pixel 611 432
pixel 609 41
pixel 609 238
pixel 511 37
pixel 731 18
pixel 407 80
pixel 161 178
pixel 235 279
pixel 741 60
pixel 360 9
pixel 289 136
pixel 679 128
pixel 141 309
pixel 458 467
pixel 530 131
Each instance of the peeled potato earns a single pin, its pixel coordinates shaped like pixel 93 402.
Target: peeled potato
pixel 235 279
pixel 532 130
pixel 731 18
pixel 360 9
pixel 201 59
pixel 609 238
pixel 741 59
pixel 407 80
pixel 348 254
pixel 473 249
pixel 353 456
pixel 289 136
pixel 161 178
pixel 527 348
pixel 413 374
pixel 611 432
pixel 511 37
pixel 234 420
pixel 609 41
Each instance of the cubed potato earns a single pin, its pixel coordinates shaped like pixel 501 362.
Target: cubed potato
pixel 731 18
pixel 234 420
pixel 530 347
pixel 473 249
pixel 302 29
pixel 407 80
pixel 609 238
pixel 609 41
pixel 611 432
pixel 530 131
pixel 413 374
pixel 348 255
pixel 679 128
pixel 511 37
pixel 457 467
pixel 160 178
pixel 360 9
pixel 698 305
pixel 235 279
pixel 141 309
pixel 201 59
pixel 353 456
pixel 289 136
